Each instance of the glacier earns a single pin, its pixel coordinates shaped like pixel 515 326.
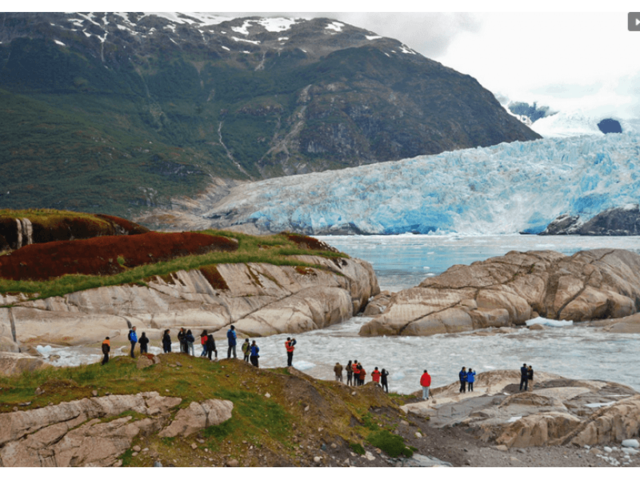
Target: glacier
pixel 503 189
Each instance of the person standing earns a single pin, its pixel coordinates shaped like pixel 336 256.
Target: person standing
pixel 349 370
pixel 290 346
pixel 356 373
pixel 463 379
pixel 383 377
pixel 254 354
pixel 211 346
pixel 204 336
pixel 530 376
pixel 362 374
pixel 190 341
pixel 133 339
pixel 338 371
pixel 106 348
pixel 144 343
pixel 471 377
pixel 524 377
pixel 166 341
pixel 231 339
pixel 182 334
pixel 246 349
pixel 375 376
pixel 425 383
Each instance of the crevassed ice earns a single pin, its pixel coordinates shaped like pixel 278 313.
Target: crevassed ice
pixel 507 188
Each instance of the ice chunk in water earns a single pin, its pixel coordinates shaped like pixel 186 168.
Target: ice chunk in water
pixel 547 322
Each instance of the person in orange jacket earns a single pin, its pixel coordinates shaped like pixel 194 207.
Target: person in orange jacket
pixel 106 348
pixel 356 373
pixel 363 374
pixel 290 346
pixel 425 383
pixel 376 376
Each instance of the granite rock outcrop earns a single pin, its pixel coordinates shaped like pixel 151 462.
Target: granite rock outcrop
pixel 509 290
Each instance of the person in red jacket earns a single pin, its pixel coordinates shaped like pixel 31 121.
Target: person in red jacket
pixel 376 376
pixel 356 373
pixel 425 382
pixel 289 344
pixel 363 374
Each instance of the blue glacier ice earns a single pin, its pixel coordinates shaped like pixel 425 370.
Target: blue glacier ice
pixel 507 188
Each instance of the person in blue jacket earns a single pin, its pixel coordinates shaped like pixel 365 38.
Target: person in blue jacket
pixel 471 377
pixel 190 339
pixel 133 338
pixel 231 337
pixel 254 354
pixel 463 379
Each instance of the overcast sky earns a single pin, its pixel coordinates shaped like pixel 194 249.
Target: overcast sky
pixel 568 61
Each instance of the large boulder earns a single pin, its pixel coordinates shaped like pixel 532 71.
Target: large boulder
pixel 12 363
pixel 198 416
pixel 509 290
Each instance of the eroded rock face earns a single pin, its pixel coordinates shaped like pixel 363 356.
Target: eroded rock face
pixel 260 299
pixel 509 290
pixel 71 434
pixel 12 363
pixel 198 416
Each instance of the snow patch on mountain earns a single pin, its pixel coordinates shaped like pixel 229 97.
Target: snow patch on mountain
pixel 507 188
pixel 336 26
pixel 277 24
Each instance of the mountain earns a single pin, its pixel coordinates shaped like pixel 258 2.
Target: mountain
pixel 117 112
pixel 507 188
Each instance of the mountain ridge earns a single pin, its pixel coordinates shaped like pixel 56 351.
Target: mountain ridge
pixel 154 107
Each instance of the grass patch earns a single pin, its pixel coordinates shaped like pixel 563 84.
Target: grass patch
pixel 357 448
pixel 392 445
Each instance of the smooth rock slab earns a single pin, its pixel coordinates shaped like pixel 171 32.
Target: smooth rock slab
pixel 198 416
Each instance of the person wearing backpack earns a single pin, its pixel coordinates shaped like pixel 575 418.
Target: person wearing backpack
pixel 231 339
pixel 246 349
pixel 144 343
pixel 133 339
pixel 106 348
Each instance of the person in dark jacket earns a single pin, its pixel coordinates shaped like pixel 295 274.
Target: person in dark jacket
pixel 254 354
pixel 190 339
pixel 133 339
pixel 349 370
pixel 211 346
pixel 530 376
pixel 383 380
pixel 166 342
pixel 463 379
pixel 182 338
pixel 144 343
pixel 338 371
pixel 289 345
pixel 106 348
pixel 524 377
pixel 231 339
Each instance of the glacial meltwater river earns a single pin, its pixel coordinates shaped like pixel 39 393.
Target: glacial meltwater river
pixel 404 261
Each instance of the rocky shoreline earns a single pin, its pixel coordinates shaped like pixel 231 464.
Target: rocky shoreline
pixel 259 299
pixel 509 290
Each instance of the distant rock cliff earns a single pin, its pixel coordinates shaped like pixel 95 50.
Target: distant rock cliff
pixel 620 221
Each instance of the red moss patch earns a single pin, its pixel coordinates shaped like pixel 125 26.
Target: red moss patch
pixel 213 276
pixel 128 227
pixel 305 271
pixel 309 243
pixel 99 256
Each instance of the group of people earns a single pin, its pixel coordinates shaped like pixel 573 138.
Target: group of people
pixel 467 379
pixel 526 377
pixel 356 375
pixel 249 350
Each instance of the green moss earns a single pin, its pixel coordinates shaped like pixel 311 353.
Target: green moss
pixel 392 445
pixel 357 448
